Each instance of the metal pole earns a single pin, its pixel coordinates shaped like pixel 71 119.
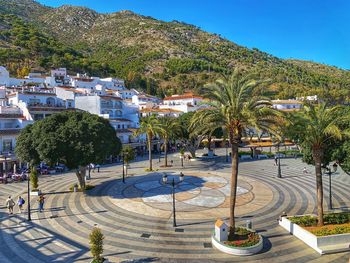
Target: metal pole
pixel 279 167
pixel 182 161
pixel 28 196
pixel 330 189
pixel 123 169
pixel 174 215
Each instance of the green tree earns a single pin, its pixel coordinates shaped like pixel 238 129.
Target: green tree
pixel 314 127
pixel 189 139
pixel 234 108
pixel 25 149
pixel 169 129
pixel 73 138
pixel 150 126
pixel 96 244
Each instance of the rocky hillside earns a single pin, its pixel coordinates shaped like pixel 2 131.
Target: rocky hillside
pixel 160 57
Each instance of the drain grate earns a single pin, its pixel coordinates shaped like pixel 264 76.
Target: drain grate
pixel 144 235
pixel 179 230
pixel 207 245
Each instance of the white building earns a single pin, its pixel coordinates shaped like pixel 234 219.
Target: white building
pixel 184 103
pixel 123 117
pixel 36 105
pixel 287 105
pixel 11 123
pixel 127 94
pixel 144 101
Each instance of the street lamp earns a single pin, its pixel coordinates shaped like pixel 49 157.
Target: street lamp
pixel 173 184
pixel 226 144
pixel 279 173
pixel 123 168
pixel 328 170
pixel 160 152
pixel 28 196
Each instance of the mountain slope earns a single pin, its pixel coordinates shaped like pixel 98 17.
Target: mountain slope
pixel 162 57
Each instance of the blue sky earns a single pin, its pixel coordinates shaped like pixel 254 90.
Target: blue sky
pixel 316 30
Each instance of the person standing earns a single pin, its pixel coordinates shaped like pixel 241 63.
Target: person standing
pixel 20 203
pixel 10 204
pixel 41 201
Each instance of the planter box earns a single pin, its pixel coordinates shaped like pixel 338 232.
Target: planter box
pixel 35 193
pixel 324 244
pixel 238 251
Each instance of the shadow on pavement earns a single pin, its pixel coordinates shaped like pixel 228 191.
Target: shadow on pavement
pixel 17 247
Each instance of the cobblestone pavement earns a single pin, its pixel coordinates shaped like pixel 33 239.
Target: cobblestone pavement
pixel 139 230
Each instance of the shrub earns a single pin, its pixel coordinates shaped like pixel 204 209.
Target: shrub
pixel 87 187
pixel 34 179
pixel 96 244
pixel 337 218
pixel 304 220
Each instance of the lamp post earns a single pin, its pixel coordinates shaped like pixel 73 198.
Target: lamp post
pixel 160 152
pixel 28 197
pixel 279 173
pixel 123 168
pixel 328 170
pixel 173 184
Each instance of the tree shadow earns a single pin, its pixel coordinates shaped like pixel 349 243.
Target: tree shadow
pixel 17 247
pixel 141 260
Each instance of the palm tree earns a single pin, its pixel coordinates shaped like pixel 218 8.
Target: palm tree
pixel 233 107
pixel 169 128
pixel 150 126
pixel 314 126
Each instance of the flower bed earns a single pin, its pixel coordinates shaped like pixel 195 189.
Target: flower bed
pixel 243 238
pixel 335 223
pixel 332 238
pixel 246 242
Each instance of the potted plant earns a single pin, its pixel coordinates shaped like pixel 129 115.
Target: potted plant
pixel 128 154
pixel 96 245
pixel 34 182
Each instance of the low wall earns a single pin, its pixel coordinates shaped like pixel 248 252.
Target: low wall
pixel 324 244
pixel 238 251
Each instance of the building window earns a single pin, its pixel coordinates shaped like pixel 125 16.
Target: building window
pixel 7 145
pixel 38 117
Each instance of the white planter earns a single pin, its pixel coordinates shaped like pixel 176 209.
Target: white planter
pixel 238 251
pixel 35 193
pixel 324 244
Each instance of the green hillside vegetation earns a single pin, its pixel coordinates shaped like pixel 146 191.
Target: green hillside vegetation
pixel 152 55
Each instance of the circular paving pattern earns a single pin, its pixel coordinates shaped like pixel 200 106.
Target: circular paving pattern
pixel 200 195
pixel 60 234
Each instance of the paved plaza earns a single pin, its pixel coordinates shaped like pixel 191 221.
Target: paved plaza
pixel 136 217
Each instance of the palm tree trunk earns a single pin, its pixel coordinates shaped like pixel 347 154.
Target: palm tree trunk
pixel 80 173
pixel 317 156
pixel 166 152
pixel 233 189
pixel 150 152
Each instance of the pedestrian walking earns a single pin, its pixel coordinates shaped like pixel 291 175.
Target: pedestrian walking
pixel 10 204
pixel 41 201
pixel 98 167
pixel 276 159
pixel 20 203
